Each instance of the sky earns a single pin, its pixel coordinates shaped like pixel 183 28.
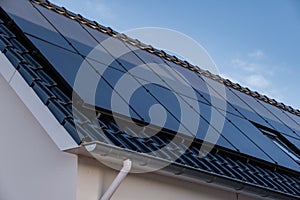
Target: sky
pixel 254 43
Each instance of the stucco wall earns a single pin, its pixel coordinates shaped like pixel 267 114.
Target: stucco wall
pixel 32 167
pixel 94 178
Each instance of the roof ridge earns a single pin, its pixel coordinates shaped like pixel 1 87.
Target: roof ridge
pixel 164 55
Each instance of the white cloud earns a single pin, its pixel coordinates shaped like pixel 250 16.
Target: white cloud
pixel 252 72
pixel 257 72
pixel 241 64
pixel 91 9
pixel 257 81
pixel 230 77
pixel 256 54
pixel 96 9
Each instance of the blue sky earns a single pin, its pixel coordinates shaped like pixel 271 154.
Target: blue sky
pixel 255 43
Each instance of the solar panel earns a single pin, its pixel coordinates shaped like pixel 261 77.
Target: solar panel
pixel 264 113
pixel 198 84
pixel 67 67
pixel 283 118
pixel 31 21
pixel 145 84
pixel 76 35
pixel 294 141
pixel 294 118
pixel 231 133
pixel 243 108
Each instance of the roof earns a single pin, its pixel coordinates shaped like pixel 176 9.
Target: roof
pixel 244 156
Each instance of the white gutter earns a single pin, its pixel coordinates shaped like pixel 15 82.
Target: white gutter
pixel 103 151
pixel 127 164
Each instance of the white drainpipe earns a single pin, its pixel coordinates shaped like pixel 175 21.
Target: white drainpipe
pixel 127 164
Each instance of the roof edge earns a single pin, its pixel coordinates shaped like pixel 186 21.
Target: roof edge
pixel 164 55
pixel 112 154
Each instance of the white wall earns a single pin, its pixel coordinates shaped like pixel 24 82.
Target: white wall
pixel 94 179
pixel 32 167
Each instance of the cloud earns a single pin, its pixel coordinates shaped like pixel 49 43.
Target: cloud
pixel 97 9
pixel 257 81
pixel 256 54
pixel 230 77
pixel 261 73
pixel 257 74
pixel 249 64
pixel 244 65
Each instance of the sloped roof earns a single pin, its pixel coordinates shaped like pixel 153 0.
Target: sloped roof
pixel 22 42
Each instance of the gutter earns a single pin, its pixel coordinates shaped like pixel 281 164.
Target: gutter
pixel 140 161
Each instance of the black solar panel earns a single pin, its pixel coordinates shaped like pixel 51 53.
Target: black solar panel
pixel 263 113
pixel 32 22
pixel 281 117
pixel 65 43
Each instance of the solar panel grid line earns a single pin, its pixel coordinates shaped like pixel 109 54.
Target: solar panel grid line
pixel 288 128
pixel 171 113
pixel 57 30
pixel 149 91
pixel 178 75
pixel 78 52
pixel 49 42
pixel 235 127
pixel 150 49
pixel 173 91
pixel 264 114
pixel 252 109
pixel 223 98
pixel 170 86
pixel 278 154
pixel 164 106
pixel 31 21
pixel 285 119
pixel 250 139
pixel 259 147
pixel 296 144
pixel 176 72
pixel 73 33
pixel 292 117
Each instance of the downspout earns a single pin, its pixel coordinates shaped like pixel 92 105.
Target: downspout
pixel 127 164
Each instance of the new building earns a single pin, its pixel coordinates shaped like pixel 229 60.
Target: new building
pixel 70 130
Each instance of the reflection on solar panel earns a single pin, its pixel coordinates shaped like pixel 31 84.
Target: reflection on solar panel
pixel 155 79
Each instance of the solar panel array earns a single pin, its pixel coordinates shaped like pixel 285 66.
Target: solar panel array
pixel 67 44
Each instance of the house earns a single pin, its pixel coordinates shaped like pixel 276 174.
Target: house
pixel 63 139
